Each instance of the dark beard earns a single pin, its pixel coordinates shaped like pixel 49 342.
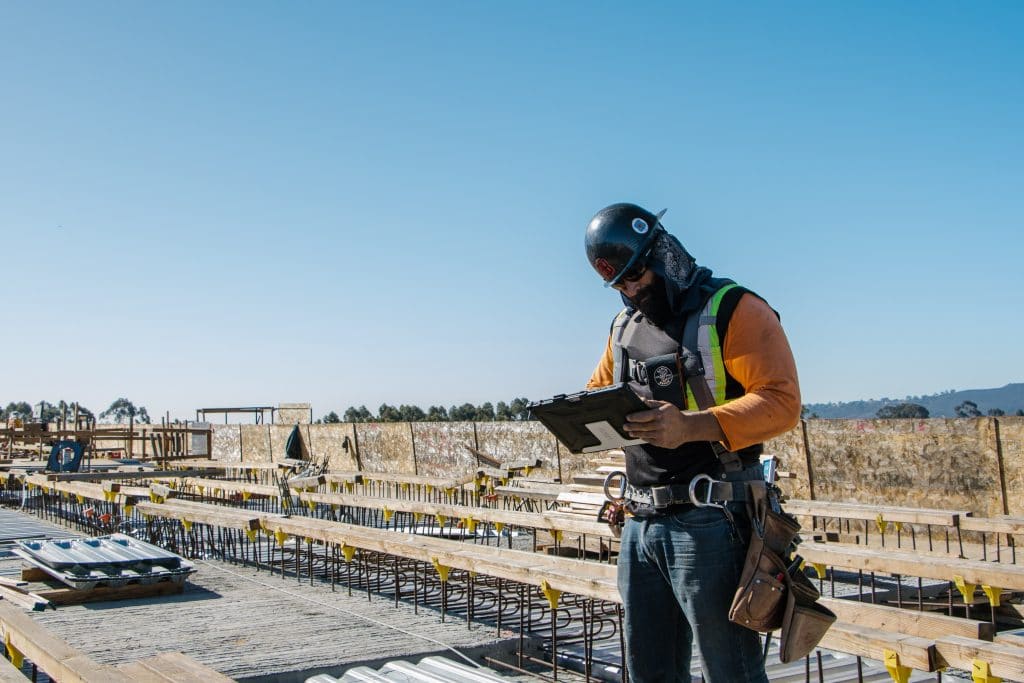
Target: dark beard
pixel 652 301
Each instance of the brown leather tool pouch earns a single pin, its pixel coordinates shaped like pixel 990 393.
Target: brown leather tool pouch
pixel 804 621
pixel 759 600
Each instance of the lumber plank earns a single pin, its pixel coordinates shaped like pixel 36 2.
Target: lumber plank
pixel 908 621
pixel 141 674
pixel 914 652
pixel 912 563
pixel 825 508
pixel 51 654
pixel 1009 639
pixel 1006 660
pixel 1003 524
pixel 180 668
pixel 10 673
pixel 547 521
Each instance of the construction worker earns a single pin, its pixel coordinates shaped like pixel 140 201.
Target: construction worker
pixel 716 370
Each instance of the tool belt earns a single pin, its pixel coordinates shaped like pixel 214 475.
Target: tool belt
pixel 773 592
pixel 701 490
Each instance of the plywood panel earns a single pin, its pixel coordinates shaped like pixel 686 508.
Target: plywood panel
pixel 227 443
pixel 293 414
pixel 1011 432
pixel 441 449
pixel 516 441
pixel 255 443
pixel 329 439
pixel 386 447
pixel 948 463
pixel 279 434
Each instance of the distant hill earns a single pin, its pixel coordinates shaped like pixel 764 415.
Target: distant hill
pixel 1009 399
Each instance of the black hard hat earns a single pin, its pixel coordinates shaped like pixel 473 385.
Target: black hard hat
pixel 618 237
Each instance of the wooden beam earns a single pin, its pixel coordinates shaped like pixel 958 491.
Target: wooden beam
pixel 176 668
pixel 916 653
pixel 908 621
pixel 825 508
pixel 914 563
pixel 51 654
pixel 1005 660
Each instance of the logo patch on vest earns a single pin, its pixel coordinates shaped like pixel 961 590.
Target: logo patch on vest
pixel 663 376
pixel 640 226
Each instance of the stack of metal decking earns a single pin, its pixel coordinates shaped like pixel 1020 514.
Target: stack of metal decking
pixel 112 561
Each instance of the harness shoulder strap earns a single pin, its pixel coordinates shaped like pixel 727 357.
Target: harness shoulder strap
pixel 693 372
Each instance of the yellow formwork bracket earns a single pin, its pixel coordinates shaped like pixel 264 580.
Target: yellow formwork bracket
pixel 245 496
pixel 470 524
pixel 899 526
pixel 442 570
pixel 216 492
pixel 881 523
pixel 899 673
pixel 201 489
pixel 557 535
pixel 552 594
pixel 819 569
pixel 147 516
pixel 404 486
pixel 172 484
pixel 153 498
pixel 966 589
pixel 416 517
pixel 993 594
pixel 527 470
pixel 251 534
pixel 263 525
pixel 388 514
pixel 334 507
pixel 350 486
pixel 17 658
pixel 429 488
pixel 286 501
pixel 187 523
pixel 449 490
pixel 281 537
pixel 128 510
pixel 311 504
pixel 80 499
pixel 498 526
pixel 333 487
pixel 503 481
pixel 441 519
pixel 348 551
pixel 981 672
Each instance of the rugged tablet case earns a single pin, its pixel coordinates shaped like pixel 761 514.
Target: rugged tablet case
pixel 590 421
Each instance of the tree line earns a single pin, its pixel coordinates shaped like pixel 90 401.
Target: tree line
pixel 513 411
pixel 910 410
pixel 121 410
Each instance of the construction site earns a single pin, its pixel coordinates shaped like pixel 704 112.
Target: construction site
pixel 290 551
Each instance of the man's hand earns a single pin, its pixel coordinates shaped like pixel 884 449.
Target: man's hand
pixel 665 426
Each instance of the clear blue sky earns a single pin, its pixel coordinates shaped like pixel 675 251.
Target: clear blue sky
pixel 242 203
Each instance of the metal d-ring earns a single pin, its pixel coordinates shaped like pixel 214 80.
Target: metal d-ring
pixel 707 501
pixel 612 476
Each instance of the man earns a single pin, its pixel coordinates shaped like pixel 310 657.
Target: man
pixel 714 366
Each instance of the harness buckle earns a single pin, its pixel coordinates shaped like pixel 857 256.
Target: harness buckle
pixel 608 483
pixel 707 498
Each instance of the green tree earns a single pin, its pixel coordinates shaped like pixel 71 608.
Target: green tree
pixel 360 414
pixel 122 410
pixel 902 410
pixel 484 413
pixel 21 410
pixel 331 418
pixel 464 413
pixel 411 413
pixel 437 414
pixel 387 413
pixel 996 412
pixel 518 409
pixel 967 409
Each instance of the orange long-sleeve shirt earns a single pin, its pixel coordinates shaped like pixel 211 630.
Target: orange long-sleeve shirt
pixel 757 354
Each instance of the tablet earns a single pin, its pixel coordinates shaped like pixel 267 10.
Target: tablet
pixel 590 420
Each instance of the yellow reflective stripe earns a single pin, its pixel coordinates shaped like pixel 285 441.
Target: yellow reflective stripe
pixel 715 345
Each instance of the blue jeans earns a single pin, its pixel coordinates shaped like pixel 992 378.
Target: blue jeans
pixel 677 576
